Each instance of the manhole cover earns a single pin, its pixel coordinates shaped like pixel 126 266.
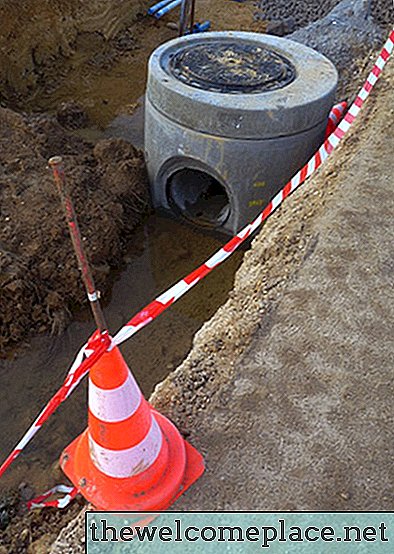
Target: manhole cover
pixel 230 67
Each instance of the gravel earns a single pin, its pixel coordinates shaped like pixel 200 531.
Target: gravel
pixel 347 39
pixel 302 11
pixel 307 11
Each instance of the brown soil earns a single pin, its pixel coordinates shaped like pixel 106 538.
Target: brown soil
pixel 37 268
pixel 287 391
pixel 38 271
pixel 37 35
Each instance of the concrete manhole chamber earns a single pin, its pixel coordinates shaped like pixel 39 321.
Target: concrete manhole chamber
pixel 230 117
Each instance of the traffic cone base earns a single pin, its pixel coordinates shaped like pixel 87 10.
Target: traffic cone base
pixel 179 465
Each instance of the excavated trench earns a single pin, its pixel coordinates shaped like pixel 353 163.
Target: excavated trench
pixel 135 255
pixel 68 91
pixel 94 57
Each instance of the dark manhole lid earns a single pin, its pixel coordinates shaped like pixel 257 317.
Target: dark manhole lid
pixel 231 67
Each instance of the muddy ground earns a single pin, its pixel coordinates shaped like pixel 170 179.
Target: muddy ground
pixel 38 271
pixel 287 391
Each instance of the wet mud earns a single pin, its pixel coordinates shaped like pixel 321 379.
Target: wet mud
pixel 38 272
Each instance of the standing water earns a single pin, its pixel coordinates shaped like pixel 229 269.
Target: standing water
pixel 162 252
pixel 109 84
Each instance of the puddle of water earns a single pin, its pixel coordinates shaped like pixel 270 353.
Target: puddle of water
pixel 161 252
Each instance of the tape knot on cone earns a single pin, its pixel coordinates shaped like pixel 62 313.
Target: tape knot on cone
pixel 130 457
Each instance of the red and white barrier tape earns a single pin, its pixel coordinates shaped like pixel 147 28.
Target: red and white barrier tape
pixel 43 502
pixel 150 312
pixel 336 115
pixel 99 343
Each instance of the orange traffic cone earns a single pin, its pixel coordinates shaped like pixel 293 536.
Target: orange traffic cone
pixel 130 457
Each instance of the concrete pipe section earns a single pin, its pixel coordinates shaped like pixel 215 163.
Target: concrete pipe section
pixel 230 117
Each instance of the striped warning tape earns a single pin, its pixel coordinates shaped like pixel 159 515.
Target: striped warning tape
pixel 336 115
pixel 100 342
pixel 43 502
pixel 155 308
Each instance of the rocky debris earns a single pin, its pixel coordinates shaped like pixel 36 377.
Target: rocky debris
pixel 348 39
pixel 71 115
pixel 70 539
pixel 281 27
pixel 302 12
pixel 173 26
pixel 8 509
pixel 305 12
pixel 382 12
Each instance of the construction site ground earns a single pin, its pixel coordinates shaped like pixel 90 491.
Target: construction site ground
pixel 287 390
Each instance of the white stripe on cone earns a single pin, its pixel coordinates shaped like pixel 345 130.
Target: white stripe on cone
pixel 131 461
pixel 117 404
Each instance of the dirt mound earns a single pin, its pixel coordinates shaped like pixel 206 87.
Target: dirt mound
pixel 348 39
pixel 36 33
pixel 38 273
pixel 304 12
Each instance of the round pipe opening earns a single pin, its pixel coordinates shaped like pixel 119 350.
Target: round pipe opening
pixel 198 197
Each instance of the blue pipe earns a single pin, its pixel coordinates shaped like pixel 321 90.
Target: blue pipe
pixel 158 6
pixel 201 27
pixel 167 8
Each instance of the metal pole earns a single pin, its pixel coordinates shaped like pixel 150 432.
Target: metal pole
pixel 184 18
pixel 192 15
pixel 56 163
